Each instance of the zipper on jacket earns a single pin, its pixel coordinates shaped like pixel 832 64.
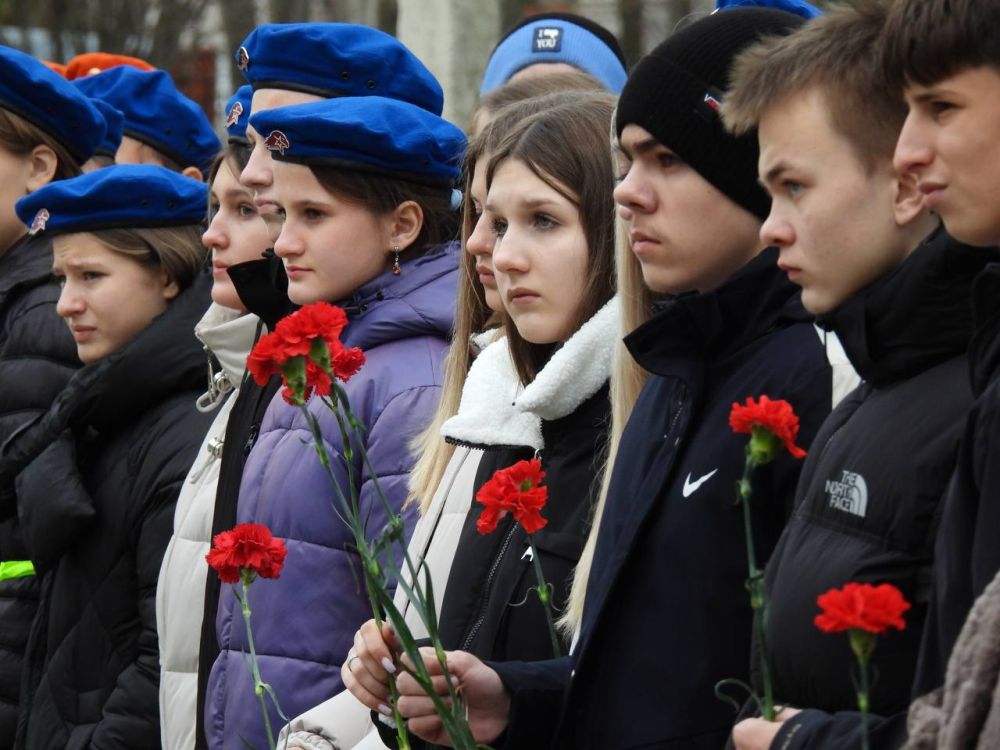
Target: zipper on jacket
pixel 251 439
pixel 478 623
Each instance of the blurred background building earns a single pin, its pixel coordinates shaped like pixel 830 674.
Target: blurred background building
pixel 195 39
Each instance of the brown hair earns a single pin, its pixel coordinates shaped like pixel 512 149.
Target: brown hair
pixel 528 88
pixel 234 155
pixel 567 148
pixel 177 250
pixel 926 41
pixel 836 54
pixel 18 136
pixel 471 313
pixel 382 195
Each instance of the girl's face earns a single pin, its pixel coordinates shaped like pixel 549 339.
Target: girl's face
pixel 235 234
pixel 540 258
pixel 329 246
pixel 481 240
pixel 107 298
pixel 15 174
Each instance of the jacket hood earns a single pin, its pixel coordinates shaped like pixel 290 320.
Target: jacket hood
pixel 227 335
pixel 27 263
pixel 420 301
pixel 914 317
pixel 163 360
pixel 984 350
pixel 716 323
pixel 497 411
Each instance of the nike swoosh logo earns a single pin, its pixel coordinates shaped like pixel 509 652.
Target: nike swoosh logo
pixel 691 487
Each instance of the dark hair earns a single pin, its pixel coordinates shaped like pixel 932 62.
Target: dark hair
pixel 836 54
pixel 926 41
pixel 18 136
pixel 567 147
pixel 382 195
pixel 525 88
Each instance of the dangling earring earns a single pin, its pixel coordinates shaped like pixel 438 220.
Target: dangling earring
pixel 395 261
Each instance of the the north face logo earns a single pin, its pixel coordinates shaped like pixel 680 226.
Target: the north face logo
pixel 547 39
pixel 849 494
pixel 277 141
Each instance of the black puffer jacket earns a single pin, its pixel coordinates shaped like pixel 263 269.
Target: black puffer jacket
pixel 967 556
pixel 667 615
pixel 97 477
pixel 37 359
pixel 869 499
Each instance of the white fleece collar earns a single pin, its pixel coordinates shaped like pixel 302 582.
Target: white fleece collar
pixel 496 410
pixel 229 335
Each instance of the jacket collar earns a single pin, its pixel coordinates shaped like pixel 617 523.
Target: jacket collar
pixel 497 411
pixel 692 329
pixel 262 286
pixel 914 317
pixel 27 262
pixel 984 350
pixel 227 335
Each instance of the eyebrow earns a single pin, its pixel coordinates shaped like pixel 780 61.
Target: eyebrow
pixel 76 263
pixel 525 203
pixel 773 173
pixel 642 147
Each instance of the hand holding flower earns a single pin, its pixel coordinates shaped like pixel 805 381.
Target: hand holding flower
pixel 370 664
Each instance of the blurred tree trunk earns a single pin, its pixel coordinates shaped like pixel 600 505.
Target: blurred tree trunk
pixel 387 16
pixel 239 18
pixel 630 12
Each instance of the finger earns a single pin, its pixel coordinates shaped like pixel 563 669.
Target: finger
pixel 755 734
pixel 417 706
pixel 391 639
pixel 374 653
pixel 428 728
pixel 431 663
pixel 371 694
pixel 406 684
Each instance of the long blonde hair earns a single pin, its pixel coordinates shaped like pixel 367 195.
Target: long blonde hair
pixel 627 380
pixel 471 313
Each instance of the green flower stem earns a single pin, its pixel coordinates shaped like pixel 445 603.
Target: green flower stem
pixel 863 644
pixel 755 585
pixel 258 683
pixel 545 596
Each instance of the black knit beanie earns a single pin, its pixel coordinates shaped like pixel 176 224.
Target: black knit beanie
pixel 676 90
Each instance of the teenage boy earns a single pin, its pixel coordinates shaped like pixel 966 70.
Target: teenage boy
pixel 945 57
pixel 667 614
pixel 877 269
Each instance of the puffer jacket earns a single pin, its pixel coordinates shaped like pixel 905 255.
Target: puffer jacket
pixel 304 622
pixel 37 359
pixel 667 613
pixel 227 336
pixel 870 495
pixel 97 478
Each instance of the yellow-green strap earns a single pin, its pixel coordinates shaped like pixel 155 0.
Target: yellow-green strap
pixel 16 569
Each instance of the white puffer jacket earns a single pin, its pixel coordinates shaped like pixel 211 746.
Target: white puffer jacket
pixel 180 595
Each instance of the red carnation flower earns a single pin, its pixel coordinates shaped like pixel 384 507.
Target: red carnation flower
pixel 246 549
pixel 861 606
pixel 346 363
pixel 517 490
pixel 775 417
pixel 266 358
pixel 316 321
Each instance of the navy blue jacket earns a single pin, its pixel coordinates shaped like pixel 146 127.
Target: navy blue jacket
pixel 667 615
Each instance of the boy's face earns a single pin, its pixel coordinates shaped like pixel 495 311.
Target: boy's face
pixel 832 219
pixel 951 143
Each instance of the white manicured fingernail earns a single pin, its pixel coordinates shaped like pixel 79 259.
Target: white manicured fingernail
pixel 389 666
pixel 387 721
pixel 384 709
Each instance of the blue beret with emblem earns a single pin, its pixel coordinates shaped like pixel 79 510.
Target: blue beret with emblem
pixel 369 134
pixel 337 59
pixel 114 122
pixel 120 196
pixel 30 89
pixel 156 113
pixel 238 114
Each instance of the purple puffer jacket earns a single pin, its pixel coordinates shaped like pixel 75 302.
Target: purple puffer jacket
pixel 304 622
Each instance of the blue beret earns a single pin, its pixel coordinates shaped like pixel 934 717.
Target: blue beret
pixel 369 134
pixel 156 113
pixel 337 59
pixel 114 121
pixel 238 114
pixel 47 100
pixel 798 7
pixel 120 196
pixel 557 38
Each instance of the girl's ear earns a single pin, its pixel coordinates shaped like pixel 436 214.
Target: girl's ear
pixel 42 168
pixel 168 287
pixel 406 221
pixel 907 201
